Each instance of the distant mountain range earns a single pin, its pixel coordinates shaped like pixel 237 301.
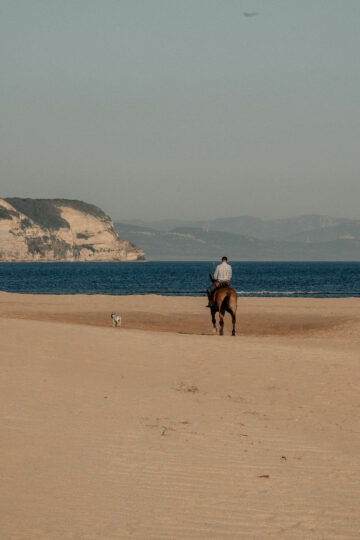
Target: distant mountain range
pixel 309 237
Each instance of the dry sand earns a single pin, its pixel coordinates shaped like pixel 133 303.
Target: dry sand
pixel 160 430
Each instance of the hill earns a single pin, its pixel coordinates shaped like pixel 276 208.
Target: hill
pixel 59 230
pixel 247 238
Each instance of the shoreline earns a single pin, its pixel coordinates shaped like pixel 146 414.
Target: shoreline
pixel 256 316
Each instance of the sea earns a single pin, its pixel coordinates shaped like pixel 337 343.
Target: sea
pixel 257 279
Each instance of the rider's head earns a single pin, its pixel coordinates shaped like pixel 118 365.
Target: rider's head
pixel 224 259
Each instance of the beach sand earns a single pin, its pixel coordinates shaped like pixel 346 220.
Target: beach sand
pixel 161 430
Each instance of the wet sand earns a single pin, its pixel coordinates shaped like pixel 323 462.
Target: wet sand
pixel 160 429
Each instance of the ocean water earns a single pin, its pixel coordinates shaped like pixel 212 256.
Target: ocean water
pixel 311 279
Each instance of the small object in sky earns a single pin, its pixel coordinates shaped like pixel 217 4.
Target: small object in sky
pixel 250 13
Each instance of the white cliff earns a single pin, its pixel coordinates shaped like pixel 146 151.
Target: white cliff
pixel 59 230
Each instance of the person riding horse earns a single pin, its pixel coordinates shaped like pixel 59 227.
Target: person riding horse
pixel 222 277
pixel 222 297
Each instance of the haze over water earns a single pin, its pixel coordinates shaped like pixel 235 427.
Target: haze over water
pixel 182 108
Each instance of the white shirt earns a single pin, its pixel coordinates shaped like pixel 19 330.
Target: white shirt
pixel 223 272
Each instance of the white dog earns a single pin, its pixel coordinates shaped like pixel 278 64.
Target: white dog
pixel 116 319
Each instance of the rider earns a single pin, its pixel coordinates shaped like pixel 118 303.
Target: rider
pixel 222 276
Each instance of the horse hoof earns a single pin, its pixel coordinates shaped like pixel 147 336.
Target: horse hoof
pixel 214 331
pixel 233 333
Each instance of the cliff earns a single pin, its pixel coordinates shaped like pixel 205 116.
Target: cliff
pixel 51 230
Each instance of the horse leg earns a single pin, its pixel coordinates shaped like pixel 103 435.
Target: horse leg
pixel 213 320
pixel 221 320
pixel 233 317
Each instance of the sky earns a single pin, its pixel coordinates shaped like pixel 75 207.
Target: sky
pixel 189 109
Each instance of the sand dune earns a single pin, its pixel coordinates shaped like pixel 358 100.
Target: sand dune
pixel 160 431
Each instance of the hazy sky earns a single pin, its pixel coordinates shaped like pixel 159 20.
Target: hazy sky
pixel 182 108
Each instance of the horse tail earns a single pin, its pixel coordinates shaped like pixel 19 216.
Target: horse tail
pixel 231 306
pixel 226 300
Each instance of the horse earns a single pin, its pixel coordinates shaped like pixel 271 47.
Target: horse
pixel 224 299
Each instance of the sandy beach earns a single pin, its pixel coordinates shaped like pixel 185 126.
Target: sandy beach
pixel 162 430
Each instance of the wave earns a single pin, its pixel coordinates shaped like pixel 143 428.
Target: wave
pixel 293 293
pixel 244 294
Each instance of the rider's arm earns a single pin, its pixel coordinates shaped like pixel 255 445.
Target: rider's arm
pixel 216 275
pixel 230 276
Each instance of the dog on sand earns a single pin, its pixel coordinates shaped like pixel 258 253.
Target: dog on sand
pixel 116 319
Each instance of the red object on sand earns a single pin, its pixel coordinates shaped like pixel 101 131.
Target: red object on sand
pixel 264 476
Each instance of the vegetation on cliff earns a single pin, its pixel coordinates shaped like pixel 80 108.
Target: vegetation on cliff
pixel 43 212
pixel 47 214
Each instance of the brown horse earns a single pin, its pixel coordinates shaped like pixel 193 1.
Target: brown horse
pixel 224 299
